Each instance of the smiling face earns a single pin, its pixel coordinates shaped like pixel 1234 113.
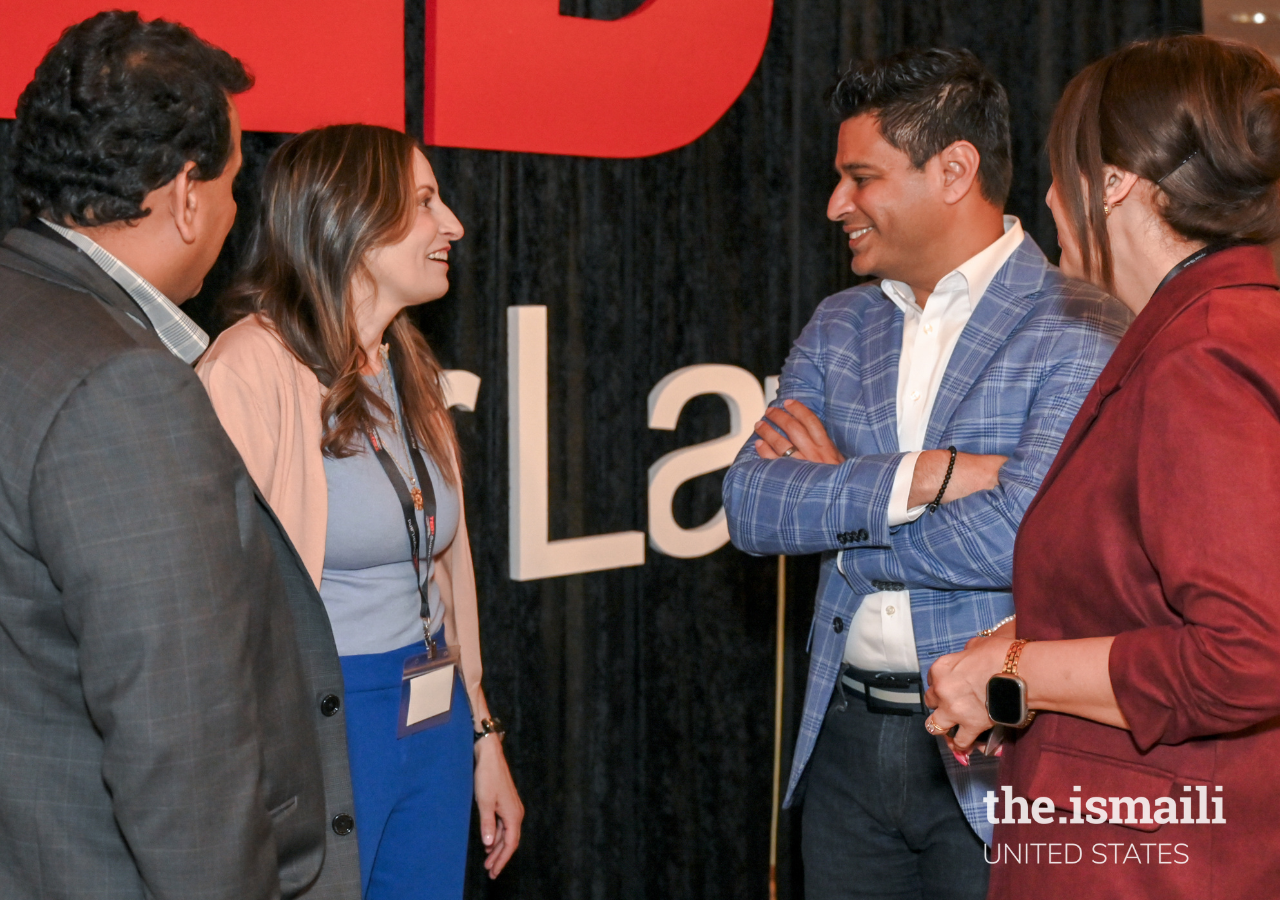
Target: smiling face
pixel 890 210
pixel 415 269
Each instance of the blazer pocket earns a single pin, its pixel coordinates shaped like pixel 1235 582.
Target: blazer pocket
pixel 284 809
pixel 1060 770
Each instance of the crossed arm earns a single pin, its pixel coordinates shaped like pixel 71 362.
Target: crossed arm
pixel 798 428
pixel 1063 676
pixel 819 500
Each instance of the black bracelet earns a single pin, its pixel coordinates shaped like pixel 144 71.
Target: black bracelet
pixel 951 467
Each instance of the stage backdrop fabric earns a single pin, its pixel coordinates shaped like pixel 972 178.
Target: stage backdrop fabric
pixel 639 701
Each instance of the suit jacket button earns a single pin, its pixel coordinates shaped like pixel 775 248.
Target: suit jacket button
pixel 838 624
pixel 863 534
pixel 330 705
pixel 343 824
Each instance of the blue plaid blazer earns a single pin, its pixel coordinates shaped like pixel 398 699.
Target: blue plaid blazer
pixel 1030 352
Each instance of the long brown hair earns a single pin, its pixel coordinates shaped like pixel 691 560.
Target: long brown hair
pixel 329 196
pixel 1198 116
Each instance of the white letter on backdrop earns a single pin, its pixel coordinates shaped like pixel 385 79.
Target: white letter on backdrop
pixel 533 553
pixel 741 391
pixel 460 389
pixel 770 388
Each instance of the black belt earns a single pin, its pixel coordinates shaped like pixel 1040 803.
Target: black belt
pixel 888 693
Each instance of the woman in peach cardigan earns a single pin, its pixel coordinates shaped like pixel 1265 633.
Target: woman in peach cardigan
pixel 335 402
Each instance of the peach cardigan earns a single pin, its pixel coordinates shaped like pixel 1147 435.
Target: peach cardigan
pixel 269 404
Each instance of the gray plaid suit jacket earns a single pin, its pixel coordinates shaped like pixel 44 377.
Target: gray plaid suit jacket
pixel 1033 347
pixel 163 654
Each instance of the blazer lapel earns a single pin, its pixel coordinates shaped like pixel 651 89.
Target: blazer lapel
pixel 1005 304
pixel 881 348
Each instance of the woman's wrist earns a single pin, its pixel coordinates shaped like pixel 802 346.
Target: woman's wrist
pixel 488 747
pixel 998 645
pixel 1072 677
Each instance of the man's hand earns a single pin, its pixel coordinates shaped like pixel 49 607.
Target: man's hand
pixel 973 472
pixel 804 435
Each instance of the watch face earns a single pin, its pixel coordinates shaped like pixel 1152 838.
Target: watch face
pixel 1006 699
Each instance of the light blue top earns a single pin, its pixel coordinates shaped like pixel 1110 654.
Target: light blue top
pixel 368 584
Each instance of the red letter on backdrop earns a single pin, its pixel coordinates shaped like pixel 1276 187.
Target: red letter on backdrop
pixel 517 75
pixel 501 74
pixel 316 61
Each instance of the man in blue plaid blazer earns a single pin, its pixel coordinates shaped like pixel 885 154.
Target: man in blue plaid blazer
pixel 971 341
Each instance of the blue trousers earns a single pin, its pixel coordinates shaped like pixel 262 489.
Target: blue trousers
pixel 412 795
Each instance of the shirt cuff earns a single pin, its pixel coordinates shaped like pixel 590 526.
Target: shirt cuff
pixel 898 514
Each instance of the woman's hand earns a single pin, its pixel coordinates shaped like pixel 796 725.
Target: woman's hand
pixel 958 689
pixel 501 811
pixel 1070 677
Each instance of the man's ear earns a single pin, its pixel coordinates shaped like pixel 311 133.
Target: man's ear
pixel 184 202
pixel 959 165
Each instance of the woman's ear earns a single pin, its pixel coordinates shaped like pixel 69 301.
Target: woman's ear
pixel 1116 185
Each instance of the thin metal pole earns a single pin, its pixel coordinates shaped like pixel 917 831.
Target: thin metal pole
pixel 777 729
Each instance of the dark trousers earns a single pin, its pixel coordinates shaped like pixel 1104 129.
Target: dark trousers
pixel 880 821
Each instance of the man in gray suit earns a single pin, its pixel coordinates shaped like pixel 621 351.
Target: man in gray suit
pixel 170 695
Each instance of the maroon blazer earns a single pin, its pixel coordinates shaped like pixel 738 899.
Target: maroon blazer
pixel 1159 523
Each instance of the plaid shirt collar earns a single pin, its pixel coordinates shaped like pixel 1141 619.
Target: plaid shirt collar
pixel 184 338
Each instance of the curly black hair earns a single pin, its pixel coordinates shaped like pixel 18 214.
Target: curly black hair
pixel 118 106
pixel 926 100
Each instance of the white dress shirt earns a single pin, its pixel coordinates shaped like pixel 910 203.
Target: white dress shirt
pixel 881 637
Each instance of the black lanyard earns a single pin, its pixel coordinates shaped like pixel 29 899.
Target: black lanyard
pixel 410 502
pixel 1191 260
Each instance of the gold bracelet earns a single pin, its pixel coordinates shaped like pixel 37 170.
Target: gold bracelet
pixel 1011 668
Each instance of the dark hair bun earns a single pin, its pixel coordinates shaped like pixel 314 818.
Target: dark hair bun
pixel 1201 118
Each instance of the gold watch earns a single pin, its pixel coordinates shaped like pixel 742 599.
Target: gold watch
pixel 1007 692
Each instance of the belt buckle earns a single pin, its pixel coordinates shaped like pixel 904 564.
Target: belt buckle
pixel 887 681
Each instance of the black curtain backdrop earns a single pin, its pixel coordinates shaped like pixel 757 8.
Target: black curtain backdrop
pixel 640 701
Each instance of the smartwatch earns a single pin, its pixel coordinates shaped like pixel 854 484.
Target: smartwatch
pixel 1007 693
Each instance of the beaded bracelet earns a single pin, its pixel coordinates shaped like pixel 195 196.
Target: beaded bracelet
pixel 987 632
pixel 951 466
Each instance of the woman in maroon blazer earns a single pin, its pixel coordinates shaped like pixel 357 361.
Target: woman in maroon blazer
pixel 1147 570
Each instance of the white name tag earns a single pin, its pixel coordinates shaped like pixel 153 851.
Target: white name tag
pixel 426 693
pixel 430 694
